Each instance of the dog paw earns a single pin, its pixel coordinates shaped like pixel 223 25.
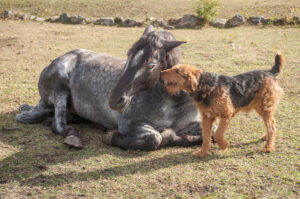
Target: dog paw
pixel 200 154
pixel 266 150
pixel 224 145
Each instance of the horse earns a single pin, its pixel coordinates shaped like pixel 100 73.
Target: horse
pixel 124 96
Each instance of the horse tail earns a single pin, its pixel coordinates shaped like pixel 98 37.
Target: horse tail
pixel 33 114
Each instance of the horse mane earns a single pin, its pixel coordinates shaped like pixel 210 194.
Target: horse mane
pixel 154 40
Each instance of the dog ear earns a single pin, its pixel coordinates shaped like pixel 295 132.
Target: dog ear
pixel 193 82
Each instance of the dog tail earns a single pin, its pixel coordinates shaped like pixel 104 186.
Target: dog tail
pixel 279 62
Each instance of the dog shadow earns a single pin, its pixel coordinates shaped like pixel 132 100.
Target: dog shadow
pixel 38 149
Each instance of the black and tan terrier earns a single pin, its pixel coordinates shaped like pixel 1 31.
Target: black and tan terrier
pixel 220 96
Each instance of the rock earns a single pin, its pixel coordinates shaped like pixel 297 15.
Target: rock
pixel 139 24
pixel 235 21
pixel 169 27
pixel 107 21
pixel 119 20
pixel 91 20
pixel 77 19
pixel 150 19
pixel 65 18
pixel 40 19
pixel 296 18
pixel 266 21
pixel 128 23
pixel 280 22
pixel 54 19
pixel 255 20
pixel 172 22
pixel 8 14
pixel 162 23
pixel 32 17
pixel 218 23
pixel 188 21
pixel 24 16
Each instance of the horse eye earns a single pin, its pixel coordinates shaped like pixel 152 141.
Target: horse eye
pixel 151 65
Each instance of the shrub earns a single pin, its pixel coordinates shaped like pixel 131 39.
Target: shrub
pixel 208 9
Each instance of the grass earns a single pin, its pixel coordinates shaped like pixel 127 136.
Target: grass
pixel 143 8
pixel 35 164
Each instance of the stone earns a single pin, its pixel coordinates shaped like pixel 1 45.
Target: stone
pixel 107 21
pixel 188 21
pixel 255 20
pixel 32 17
pixel 24 16
pixel 91 20
pixel 65 18
pixel 119 20
pixel 235 21
pixel 218 23
pixel 280 22
pixel 40 19
pixel 7 14
pixel 172 22
pixel 150 19
pixel 77 19
pixel 162 23
pixel 128 23
pixel 296 18
pixel 266 21
pixel 54 19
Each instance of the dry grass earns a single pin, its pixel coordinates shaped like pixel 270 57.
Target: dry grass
pixel 142 8
pixel 35 164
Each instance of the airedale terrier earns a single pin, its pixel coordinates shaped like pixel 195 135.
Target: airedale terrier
pixel 220 96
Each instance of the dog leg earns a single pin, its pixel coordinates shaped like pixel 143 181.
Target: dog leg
pixel 271 133
pixel 265 137
pixel 219 136
pixel 207 124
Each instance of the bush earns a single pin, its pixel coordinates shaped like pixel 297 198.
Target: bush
pixel 208 9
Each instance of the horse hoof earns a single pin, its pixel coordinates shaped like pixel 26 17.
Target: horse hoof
pixel 73 138
pixel 107 138
pixel 73 141
pixel 25 107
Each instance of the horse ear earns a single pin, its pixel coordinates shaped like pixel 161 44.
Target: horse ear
pixel 149 29
pixel 169 45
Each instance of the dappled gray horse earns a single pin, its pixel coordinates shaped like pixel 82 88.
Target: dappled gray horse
pixel 81 82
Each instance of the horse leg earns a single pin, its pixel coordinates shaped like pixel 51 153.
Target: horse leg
pixel 142 137
pixel 169 138
pixel 34 114
pixel 59 123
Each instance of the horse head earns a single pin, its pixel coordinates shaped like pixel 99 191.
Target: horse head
pixel 153 52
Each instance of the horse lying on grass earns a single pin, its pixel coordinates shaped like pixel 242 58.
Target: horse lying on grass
pixel 86 84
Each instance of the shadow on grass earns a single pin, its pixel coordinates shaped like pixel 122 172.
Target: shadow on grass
pixel 39 148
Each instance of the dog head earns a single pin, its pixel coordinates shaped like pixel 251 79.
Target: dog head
pixel 181 78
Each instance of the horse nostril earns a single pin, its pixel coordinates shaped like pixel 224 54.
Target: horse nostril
pixel 122 99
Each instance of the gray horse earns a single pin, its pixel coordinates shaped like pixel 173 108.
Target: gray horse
pixel 81 81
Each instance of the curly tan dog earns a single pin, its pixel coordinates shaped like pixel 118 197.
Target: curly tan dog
pixel 220 96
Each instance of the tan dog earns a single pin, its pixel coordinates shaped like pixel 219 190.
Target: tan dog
pixel 219 96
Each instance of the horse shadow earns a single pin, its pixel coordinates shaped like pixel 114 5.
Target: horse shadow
pixel 37 148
